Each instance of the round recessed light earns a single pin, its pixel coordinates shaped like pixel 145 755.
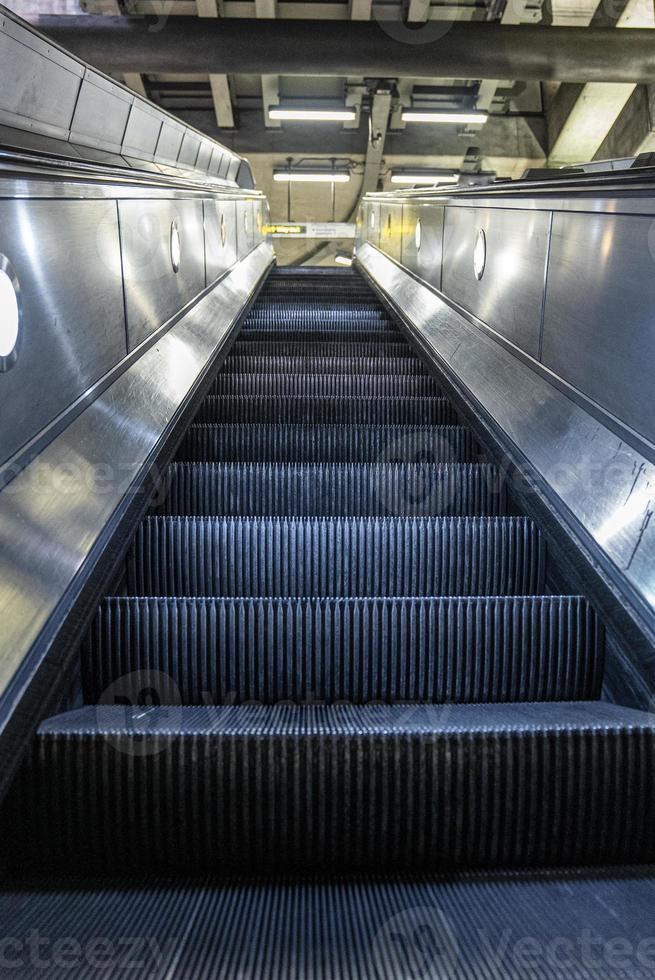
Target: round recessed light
pixel 480 254
pixel 223 230
pixel 10 315
pixel 245 222
pixel 372 219
pixel 417 234
pixel 176 247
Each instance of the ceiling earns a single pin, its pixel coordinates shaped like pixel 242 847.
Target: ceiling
pixel 530 123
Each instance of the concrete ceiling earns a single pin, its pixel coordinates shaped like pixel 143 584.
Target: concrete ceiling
pixel 531 124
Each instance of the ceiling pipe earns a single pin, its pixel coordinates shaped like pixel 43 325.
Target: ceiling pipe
pixel 379 49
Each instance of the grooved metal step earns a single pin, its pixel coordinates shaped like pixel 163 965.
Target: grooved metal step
pixel 197 556
pixel 213 651
pixel 341 787
pixel 343 335
pixel 493 925
pixel 307 347
pixel 320 365
pixel 302 443
pixel 276 316
pixel 324 386
pixel 390 410
pixel 333 490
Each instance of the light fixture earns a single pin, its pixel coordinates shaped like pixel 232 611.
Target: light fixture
pixel 342 259
pixel 480 254
pixel 313 176
pixel 423 177
pixel 444 116
pixel 312 115
pixel 10 315
pixel 175 247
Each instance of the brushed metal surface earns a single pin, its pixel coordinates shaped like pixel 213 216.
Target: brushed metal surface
pixel 42 83
pixel 142 132
pixel 424 261
pixel 189 149
pixel 508 296
pixel 101 114
pixel 599 323
pixel 245 227
pixel 604 484
pixel 391 223
pixel 153 291
pixel 52 515
pixel 46 92
pixel 220 237
pixel 66 257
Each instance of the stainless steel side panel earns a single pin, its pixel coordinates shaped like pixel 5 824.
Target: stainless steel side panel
pixel 170 141
pixel 607 487
pixel 424 261
pixel 599 325
pixel 153 291
pixel 66 256
pixel 245 223
pixel 189 149
pixel 142 132
pixel 54 512
pixel 44 82
pixel 101 114
pixel 220 256
pixel 391 218
pixel 509 296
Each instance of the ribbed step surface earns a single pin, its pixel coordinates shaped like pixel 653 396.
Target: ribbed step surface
pixel 336 557
pixel 333 490
pixel 342 334
pixel 520 925
pixel 312 316
pixel 313 364
pixel 327 410
pixel 342 386
pixel 328 443
pixel 339 787
pixel 340 348
pixel 200 651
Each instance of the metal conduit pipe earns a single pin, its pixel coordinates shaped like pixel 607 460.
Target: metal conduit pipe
pixel 377 49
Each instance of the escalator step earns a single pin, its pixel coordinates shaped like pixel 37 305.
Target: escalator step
pixel 306 348
pixel 333 490
pixel 494 925
pixel 343 336
pixel 320 365
pixel 319 316
pixel 196 556
pixel 333 650
pixel 341 787
pixel 329 443
pixel 327 410
pixel 324 386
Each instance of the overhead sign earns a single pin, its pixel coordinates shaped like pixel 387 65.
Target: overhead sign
pixel 311 229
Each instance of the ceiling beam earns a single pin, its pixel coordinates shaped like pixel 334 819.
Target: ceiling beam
pixel 314 47
pixel 220 84
pixel 593 110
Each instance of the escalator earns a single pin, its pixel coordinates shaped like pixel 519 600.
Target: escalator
pixel 341 716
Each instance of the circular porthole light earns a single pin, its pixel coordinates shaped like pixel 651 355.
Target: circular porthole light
pixel 10 315
pixel 245 222
pixel 259 221
pixel 417 234
pixel 223 231
pixel 176 247
pixel 480 254
pixel 372 219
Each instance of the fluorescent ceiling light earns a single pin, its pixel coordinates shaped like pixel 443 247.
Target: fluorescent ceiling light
pixel 343 260
pixel 400 177
pixel 313 176
pixel 443 116
pixel 312 115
